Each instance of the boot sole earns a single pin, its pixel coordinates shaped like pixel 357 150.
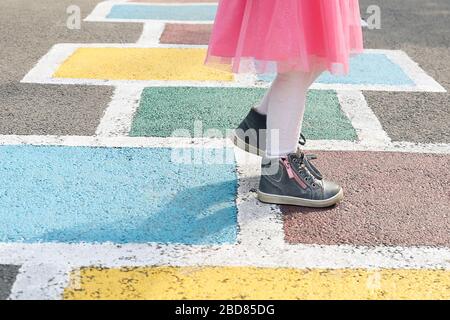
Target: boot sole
pixel 241 144
pixel 294 201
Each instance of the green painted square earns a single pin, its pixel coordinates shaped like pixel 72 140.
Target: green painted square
pixel 163 110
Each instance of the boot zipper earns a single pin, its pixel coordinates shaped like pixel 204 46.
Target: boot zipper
pixel 292 174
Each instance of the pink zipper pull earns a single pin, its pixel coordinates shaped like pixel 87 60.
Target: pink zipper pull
pixel 293 175
pixel 288 168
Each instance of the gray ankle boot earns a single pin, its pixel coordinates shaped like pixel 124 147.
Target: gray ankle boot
pixel 250 136
pixel 293 180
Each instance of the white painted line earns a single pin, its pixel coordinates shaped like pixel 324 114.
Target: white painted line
pixel 115 20
pixel 371 87
pixel 303 256
pixel 41 280
pixel 246 80
pixel 260 224
pixel 163 4
pixel 151 34
pixel 118 117
pixel 365 122
pixel 411 147
pixel 405 147
pixel 413 71
pixel 64 46
pixel 113 142
pixel 101 11
pixel 180 142
pixel 141 83
pixel 43 71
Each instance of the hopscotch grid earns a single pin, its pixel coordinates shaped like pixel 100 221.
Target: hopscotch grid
pixel 43 71
pixel 46 275
pixel 151 34
pixel 264 228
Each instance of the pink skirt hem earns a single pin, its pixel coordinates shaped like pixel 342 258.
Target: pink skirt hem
pixel 266 36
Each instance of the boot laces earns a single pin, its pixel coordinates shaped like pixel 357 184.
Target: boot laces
pixel 305 159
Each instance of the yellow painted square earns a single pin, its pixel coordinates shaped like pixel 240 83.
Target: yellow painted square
pixel 166 283
pixel 175 64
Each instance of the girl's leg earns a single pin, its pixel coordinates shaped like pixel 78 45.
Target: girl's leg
pixel 263 106
pixel 281 110
pixel 285 105
pixel 287 175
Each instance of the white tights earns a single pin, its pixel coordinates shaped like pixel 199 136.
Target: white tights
pixel 284 104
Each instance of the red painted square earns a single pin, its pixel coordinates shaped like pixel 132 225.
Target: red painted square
pixel 186 34
pixel 394 199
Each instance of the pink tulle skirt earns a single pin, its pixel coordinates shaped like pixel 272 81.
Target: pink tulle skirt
pixel 284 35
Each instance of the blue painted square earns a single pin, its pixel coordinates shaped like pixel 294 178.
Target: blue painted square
pixel 161 12
pixel 120 195
pixel 365 69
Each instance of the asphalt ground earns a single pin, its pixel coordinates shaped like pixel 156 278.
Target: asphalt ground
pixel 7 277
pixel 29 30
pixel 422 30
